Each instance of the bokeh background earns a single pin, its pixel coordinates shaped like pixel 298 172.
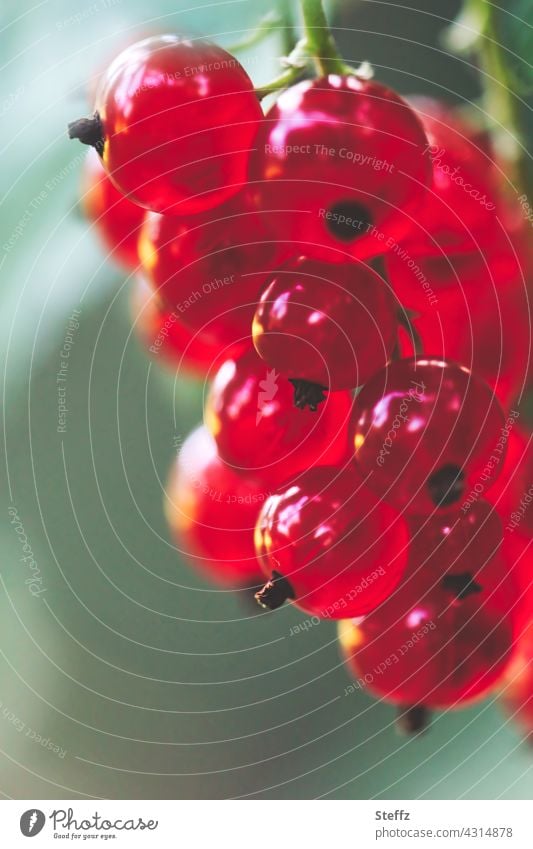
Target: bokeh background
pixel 148 682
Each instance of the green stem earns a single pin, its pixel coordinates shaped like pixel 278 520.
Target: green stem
pixel 266 25
pixel 287 78
pixel 500 98
pixel 320 42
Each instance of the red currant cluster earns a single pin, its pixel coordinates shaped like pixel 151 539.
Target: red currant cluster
pixel 313 253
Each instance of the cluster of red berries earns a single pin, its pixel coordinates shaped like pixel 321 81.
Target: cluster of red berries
pixel 305 255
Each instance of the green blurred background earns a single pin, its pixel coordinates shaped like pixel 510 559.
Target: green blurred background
pixel 151 683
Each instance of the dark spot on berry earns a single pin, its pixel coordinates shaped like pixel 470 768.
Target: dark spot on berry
pixel 307 394
pixel 348 220
pixel 461 585
pixel 88 131
pixel 275 592
pixel 413 720
pixel 446 485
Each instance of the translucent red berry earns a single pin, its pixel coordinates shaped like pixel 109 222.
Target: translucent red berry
pixel 326 327
pixel 167 339
pixel 116 219
pixel 438 641
pixel 327 544
pixel 210 270
pixel 174 123
pixel 211 512
pixel 250 412
pixel 340 165
pixel 427 433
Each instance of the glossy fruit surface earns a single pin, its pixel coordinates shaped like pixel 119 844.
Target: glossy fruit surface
pixel 341 551
pixel 424 433
pixel 457 542
pixel 462 205
pixel 211 512
pixel 175 120
pixel 211 269
pixel 340 166
pixel 330 325
pixel 167 339
pixel 472 308
pixel 116 219
pixel 438 642
pixel 250 412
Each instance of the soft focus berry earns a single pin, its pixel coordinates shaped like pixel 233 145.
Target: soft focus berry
pixel 211 512
pixel 327 544
pixel 116 219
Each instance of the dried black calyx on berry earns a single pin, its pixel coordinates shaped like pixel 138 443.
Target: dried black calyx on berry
pixel 348 220
pixel 446 485
pixel 307 394
pixel 89 131
pixel 461 585
pixel 275 592
pixel 412 720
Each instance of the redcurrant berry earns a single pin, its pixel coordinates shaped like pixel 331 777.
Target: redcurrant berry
pixel 340 167
pixel 116 219
pixel 327 327
pixel 211 512
pixel 512 493
pixel 471 308
pixel 439 641
pixel 327 544
pixel 174 124
pixel 249 411
pixel 462 205
pixel 167 339
pixel 517 688
pixel 425 432
pixel 210 270
pixel 457 542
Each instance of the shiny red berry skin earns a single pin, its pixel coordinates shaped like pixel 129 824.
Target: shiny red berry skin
pixel 116 219
pixel 340 148
pixel 167 339
pixel 456 542
pixel 461 207
pixel 472 308
pixel 438 641
pixel 424 433
pixel 330 325
pixel 177 120
pixel 341 551
pixel 211 513
pixel 512 493
pixel 250 412
pixel 211 269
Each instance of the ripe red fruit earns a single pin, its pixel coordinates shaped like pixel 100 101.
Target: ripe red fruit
pixel 327 327
pixel 335 158
pixel 517 687
pixel 327 544
pixel 174 124
pixel 438 641
pixel 167 339
pixel 461 207
pixel 211 512
pixel 116 219
pixel 472 308
pixel 250 413
pixel 512 493
pixel 211 269
pixel 456 542
pixel 426 433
